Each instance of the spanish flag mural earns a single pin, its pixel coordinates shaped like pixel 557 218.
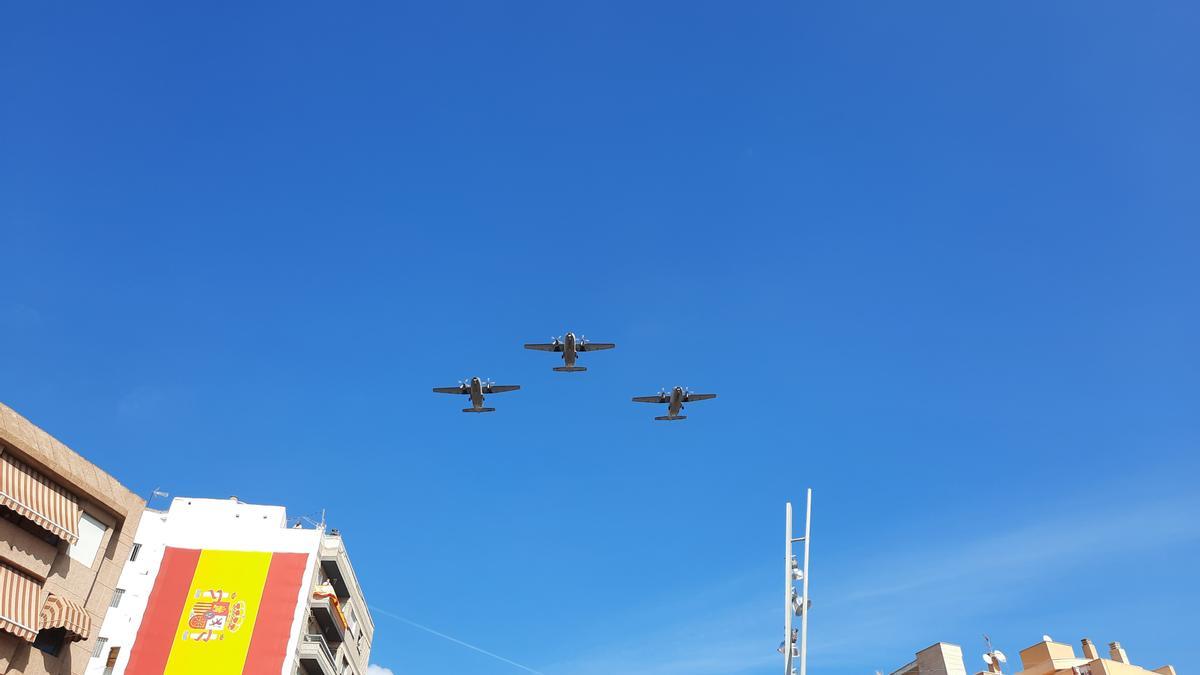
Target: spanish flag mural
pixel 218 613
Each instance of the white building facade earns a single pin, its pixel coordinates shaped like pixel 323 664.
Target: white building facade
pixel 225 584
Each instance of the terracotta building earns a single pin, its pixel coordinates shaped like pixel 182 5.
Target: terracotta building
pixel 66 530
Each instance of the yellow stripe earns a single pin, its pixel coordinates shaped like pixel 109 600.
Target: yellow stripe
pixel 243 573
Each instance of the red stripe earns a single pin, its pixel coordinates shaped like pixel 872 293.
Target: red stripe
pixel 273 626
pixel 156 635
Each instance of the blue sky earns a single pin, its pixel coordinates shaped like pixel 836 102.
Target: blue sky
pixel 938 259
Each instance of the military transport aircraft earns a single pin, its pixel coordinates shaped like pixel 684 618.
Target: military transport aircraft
pixel 570 347
pixel 476 389
pixel 674 401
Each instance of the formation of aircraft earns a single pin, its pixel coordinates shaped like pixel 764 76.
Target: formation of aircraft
pixel 570 347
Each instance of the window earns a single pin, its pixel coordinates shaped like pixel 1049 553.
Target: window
pixel 50 640
pixel 99 648
pixel 91 533
pixel 117 595
pixel 112 660
pixel 137 548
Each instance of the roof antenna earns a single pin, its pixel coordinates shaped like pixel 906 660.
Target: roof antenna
pixel 156 493
pixel 994 658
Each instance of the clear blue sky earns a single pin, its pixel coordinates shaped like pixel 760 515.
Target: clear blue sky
pixel 939 260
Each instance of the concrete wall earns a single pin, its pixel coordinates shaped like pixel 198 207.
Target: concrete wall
pixel 26 551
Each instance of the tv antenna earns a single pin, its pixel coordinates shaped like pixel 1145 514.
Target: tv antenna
pixel 994 658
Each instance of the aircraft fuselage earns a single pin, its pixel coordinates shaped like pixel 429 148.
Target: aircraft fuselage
pixel 676 402
pixel 476 392
pixel 569 354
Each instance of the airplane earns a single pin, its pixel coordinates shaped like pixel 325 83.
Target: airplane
pixel 570 346
pixel 476 389
pixel 674 401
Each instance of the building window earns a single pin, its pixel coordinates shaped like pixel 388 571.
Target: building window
pixel 112 660
pixel 91 533
pixel 117 594
pixel 133 554
pixel 99 648
pixel 50 640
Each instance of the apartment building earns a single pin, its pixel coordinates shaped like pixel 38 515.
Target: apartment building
pixel 232 586
pixel 66 529
pixel 941 658
pixel 1044 658
pixel 1055 658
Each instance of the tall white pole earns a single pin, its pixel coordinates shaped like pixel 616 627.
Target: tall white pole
pixel 804 594
pixel 787 595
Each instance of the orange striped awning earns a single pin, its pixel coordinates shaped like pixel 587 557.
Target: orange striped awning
pixel 59 612
pixel 19 597
pixel 35 497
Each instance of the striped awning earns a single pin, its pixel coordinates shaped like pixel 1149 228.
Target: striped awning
pixel 59 612
pixel 19 597
pixel 35 497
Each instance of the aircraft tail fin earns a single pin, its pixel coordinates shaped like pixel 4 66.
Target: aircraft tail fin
pixel 479 410
pixel 672 417
pixel 570 369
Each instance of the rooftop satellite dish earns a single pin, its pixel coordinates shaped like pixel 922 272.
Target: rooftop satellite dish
pixel 999 656
pixel 987 658
pixel 1047 638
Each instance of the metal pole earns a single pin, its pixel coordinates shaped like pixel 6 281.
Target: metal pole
pixel 787 595
pixel 804 594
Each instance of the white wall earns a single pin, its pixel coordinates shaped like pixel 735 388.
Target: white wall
pixel 219 524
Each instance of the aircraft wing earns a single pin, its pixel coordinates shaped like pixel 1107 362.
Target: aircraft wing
pixel 449 390
pixel 595 346
pixel 650 399
pixel 545 347
pixel 501 388
pixel 698 397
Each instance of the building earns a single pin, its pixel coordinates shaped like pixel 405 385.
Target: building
pixel 230 585
pixel 1048 657
pixel 1044 658
pixel 942 658
pixel 65 533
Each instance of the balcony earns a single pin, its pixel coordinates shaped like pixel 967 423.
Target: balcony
pixel 328 617
pixel 315 656
pixel 336 566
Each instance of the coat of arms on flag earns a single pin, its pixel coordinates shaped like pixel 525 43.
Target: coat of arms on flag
pixel 213 612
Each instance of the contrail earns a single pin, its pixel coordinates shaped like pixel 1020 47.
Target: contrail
pixel 456 641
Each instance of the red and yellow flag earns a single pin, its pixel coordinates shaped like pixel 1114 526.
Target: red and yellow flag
pixel 218 613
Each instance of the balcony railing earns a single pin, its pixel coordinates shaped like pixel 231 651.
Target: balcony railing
pixel 314 649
